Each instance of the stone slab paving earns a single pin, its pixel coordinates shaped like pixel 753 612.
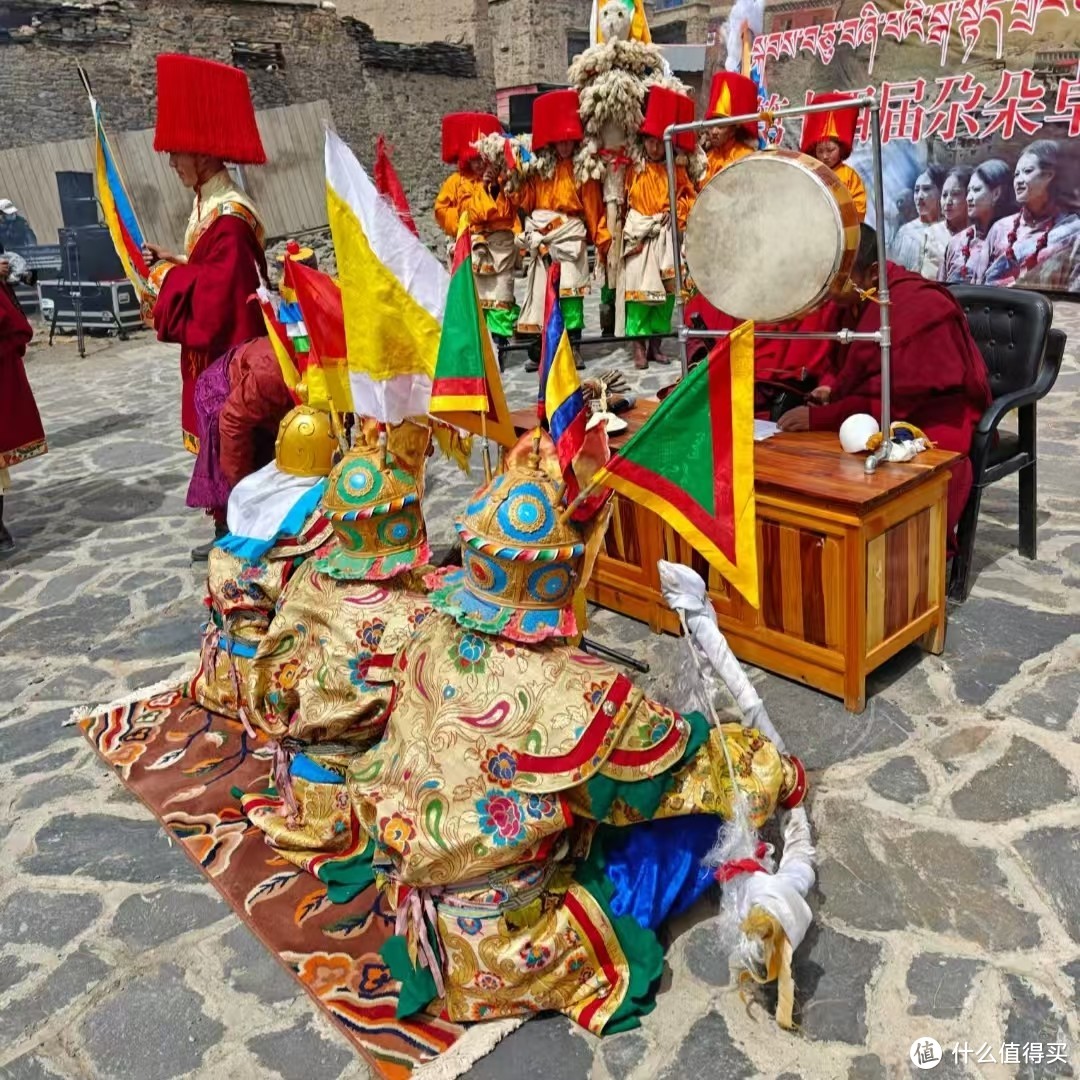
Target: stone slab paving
pixel 946 816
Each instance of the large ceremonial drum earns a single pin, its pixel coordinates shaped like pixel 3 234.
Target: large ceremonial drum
pixel 771 236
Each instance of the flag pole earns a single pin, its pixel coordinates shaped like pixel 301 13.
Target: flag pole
pixel 485 451
pixel 582 495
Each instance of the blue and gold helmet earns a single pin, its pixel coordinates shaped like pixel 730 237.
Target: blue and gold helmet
pixel 372 501
pixel 521 563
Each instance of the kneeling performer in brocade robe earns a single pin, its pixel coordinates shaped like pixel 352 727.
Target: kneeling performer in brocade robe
pixel 340 617
pixel 522 786
pixel 275 522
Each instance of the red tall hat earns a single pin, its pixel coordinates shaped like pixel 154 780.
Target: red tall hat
pixel 732 94
pixel 664 107
pixel 461 130
pixel 204 107
pixel 555 118
pixel 838 124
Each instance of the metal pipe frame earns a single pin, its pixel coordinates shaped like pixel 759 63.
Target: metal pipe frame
pixel 882 337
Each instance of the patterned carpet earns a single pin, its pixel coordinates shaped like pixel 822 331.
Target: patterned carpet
pixel 188 765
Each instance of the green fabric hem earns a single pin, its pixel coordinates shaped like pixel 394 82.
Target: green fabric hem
pixel 345 879
pixel 644 796
pixel 573 312
pixel 641 947
pixel 502 321
pixel 649 320
pixel 417 984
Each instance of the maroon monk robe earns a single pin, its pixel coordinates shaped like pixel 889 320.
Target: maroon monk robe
pixel 21 434
pixel 938 381
pixel 778 360
pixel 206 305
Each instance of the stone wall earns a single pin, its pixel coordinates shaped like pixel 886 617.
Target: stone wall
pixel 293 52
pixel 462 22
pixel 530 39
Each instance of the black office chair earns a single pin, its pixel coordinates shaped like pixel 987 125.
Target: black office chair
pixel 1023 357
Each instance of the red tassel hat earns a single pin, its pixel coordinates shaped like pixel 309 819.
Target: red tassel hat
pixel 838 124
pixel 204 107
pixel 664 107
pixel 555 118
pixel 732 94
pixel 461 130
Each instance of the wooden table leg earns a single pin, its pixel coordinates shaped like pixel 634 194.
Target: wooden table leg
pixel 933 641
pixel 855 648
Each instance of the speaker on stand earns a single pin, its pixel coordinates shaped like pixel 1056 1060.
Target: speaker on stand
pixel 70 284
pixel 78 206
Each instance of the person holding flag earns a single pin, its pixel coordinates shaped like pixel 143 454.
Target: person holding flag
pixel 564 212
pixel 201 300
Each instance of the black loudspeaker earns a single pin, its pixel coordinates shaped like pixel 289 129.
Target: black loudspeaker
pixel 78 207
pixel 88 255
pixel 521 109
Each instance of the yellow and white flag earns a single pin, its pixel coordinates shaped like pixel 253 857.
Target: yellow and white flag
pixel 393 293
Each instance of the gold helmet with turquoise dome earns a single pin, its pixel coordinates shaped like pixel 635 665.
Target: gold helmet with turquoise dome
pixel 522 559
pixel 372 501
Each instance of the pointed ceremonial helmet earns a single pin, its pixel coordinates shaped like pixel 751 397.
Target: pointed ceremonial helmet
pixel 204 107
pixel 373 503
pixel 732 94
pixel 838 124
pixel 461 130
pixel 556 118
pixel 521 561
pixel 664 107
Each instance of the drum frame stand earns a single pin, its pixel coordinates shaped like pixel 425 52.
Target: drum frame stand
pixel 882 337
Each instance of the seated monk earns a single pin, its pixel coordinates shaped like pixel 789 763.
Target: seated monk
pixel 781 366
pixel 938 381
pixel 240 400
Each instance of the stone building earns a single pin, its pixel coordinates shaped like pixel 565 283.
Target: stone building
pixel 293 50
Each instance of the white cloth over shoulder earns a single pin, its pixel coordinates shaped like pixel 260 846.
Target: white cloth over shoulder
pixel 260 504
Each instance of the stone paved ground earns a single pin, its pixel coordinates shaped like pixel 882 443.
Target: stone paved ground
pixel 946 816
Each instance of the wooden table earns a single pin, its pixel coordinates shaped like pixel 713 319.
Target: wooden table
pixel 851 564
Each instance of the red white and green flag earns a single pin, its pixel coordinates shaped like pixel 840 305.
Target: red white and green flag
pixel 466 389
pixel 692 462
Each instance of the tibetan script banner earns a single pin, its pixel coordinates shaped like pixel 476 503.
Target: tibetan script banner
pixel 980 118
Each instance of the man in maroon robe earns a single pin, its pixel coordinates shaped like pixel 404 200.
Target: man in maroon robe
pixel 203 300
pixel 21 434
pixel 241 400
pixel 938 376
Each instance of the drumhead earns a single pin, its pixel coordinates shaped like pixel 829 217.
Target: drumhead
pixel 766 238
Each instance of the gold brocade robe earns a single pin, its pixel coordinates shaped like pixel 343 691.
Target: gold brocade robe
pixel 242 596
pixel 487 760
pixel 309 676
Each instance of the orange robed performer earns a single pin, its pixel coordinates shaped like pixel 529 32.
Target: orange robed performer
pixel 938 376
pixel 202 300
pixel 459 132
pixel 731 94
pixel 829 137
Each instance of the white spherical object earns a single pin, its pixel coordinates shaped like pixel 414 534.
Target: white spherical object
pixel 856 430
